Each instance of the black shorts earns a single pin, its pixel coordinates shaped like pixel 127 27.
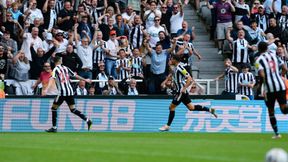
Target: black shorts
pixel 68 99
pixel 272 97
pixel 184 98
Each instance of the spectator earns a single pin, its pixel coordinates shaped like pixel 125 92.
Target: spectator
pixel 12 26
pixel 224 11
pixel 37 23
pixel 274 29
pixel 81 90
pixel 95 11
pixel 107 28
pixel 47 42
pixel 111 56
pixel 112 88
pixel 176 19
pixel 135 4
pixel 261 17
pixel 8 43
pixel 65 18
pixel 232 35
pixel 91 91
pixel 44 78
pixel 186 30
pixel 164 40
pixel 16 13
pixel 276 6
pixel 49 15
pixel 167 86
pixel 165 15
pixel 4 56
pixel 282 18
pixel 124 44
pixel 63 42
pixel 33 12
pixel 256 33
pixel 132 90
pixel 246 81
pixel 158 66
pixel 153 32
pixel 85 27
pixel 230 78
pixel 71 59
pixel 21 74
pixel 102 77
pixel 128 15
pixel 151 14
pixel 272 47
pixel 136 64
pixel 99 53
pixel 255 6
pixel 122 65
pixel 39 57
pixel 136 32
pixel 196 89
pixel 240 53
pixel 30 38
pixel 267 7
pixel 85 52
pixel 242 10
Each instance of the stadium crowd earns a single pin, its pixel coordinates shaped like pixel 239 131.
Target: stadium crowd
pixel 239 26
pixel 125 39
pixel 97 39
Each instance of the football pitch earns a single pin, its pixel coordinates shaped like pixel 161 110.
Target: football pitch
pixel 137 147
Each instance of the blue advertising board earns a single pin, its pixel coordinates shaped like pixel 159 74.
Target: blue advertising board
pixel 137 115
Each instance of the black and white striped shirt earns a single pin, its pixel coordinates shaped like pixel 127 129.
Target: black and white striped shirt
pixel 231 81
pixel 246 78
pixel 136 66
pixel 269 63
pixel 136 36
pixel 99 53
pixel 179 77
pixel 62 75
pixel 59 6
pixel 185 55
pixel 123 73
pixel 240 51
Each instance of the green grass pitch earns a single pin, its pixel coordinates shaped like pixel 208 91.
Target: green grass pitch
pixel 136 147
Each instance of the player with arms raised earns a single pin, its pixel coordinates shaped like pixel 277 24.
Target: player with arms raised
pixel 182 80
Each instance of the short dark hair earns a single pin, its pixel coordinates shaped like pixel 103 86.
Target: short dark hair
pixel 176 57
pixel 57 59
pixel 262 47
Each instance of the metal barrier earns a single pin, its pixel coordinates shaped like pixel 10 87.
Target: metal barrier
pixel 207 82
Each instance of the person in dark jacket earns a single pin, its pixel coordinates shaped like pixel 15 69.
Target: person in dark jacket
pixel 71 59
pixel 39 57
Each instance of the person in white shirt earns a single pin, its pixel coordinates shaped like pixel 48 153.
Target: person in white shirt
pixel 85 52
pixel 176 19
pixel 30 38
pixel 111 56
pixel 33 12
pixel 129 14
pixel 153 32
pixel 81 90
pixel 149 15
pixel 63 42
pixel 47 43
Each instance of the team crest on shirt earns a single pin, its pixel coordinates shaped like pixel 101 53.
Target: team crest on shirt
pixel 223 10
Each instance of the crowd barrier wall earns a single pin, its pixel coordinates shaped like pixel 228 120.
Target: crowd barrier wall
pixel 137 115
